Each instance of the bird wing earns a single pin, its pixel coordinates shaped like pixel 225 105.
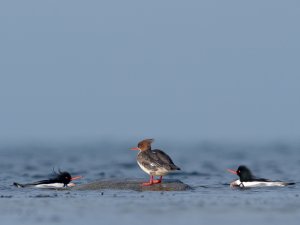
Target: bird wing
pixel 261 179
pixel 147 161
pixel 156 159
pixel 49 181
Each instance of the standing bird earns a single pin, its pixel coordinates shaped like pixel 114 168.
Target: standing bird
pixel 61 180
pixel 154 162
pixel 247 179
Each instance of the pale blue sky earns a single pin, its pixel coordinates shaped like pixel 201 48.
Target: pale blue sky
pixel 195 70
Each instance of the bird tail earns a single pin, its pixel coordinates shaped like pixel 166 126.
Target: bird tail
pixel 174 167
pixel 18 185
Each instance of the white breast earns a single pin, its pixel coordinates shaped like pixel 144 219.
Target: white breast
pixel 144 168
pixel 53 185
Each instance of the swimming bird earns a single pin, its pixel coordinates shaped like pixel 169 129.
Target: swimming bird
pixel 247 179
pixel 61 180
pixel 153 162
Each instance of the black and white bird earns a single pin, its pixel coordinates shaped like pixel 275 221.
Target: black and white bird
pixel 247 179
pixel 60 180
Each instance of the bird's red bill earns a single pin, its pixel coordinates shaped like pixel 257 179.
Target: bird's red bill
pixel 232 171
pixel 76 178
pixel 135 149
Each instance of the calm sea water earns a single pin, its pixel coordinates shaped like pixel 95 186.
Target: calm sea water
pixel 203 167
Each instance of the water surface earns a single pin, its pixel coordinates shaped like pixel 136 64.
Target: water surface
pixel 203 167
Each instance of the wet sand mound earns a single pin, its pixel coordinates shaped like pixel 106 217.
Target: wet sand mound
pixel 134 184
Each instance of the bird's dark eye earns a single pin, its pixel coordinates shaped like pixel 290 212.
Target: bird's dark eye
pixel 66 177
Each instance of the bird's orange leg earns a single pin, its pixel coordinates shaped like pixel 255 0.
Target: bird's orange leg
pixel 157 181
pixel 148 183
